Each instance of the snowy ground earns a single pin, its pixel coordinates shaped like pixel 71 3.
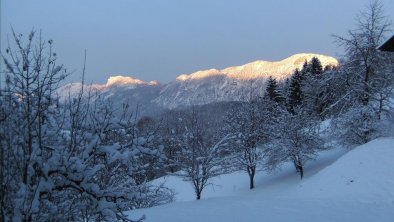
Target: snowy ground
pixel 339 186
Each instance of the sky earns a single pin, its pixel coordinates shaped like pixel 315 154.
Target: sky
pixel 161 39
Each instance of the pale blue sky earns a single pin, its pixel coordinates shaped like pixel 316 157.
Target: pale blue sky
pixel 160 39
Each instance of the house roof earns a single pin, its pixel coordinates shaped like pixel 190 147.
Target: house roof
pixel 388 45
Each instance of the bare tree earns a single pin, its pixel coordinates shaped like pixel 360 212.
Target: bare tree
pixel 248 122
pixel 202 156
pixel 367 76
pixel 75 160
pixel 31 76
pixel 297 140
pixel 366 68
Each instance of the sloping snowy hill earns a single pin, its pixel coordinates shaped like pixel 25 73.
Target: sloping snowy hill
pixel 358 186
pixel 366 174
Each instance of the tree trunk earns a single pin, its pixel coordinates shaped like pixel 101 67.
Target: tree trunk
pixel 251 181
pixel 380 108
pixel 296 166
pixel 301 171
pixel 365 99
pixel 251 172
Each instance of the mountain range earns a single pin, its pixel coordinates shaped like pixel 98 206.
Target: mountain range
pixel 198 88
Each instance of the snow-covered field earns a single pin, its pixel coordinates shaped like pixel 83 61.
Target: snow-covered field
pixel 339 186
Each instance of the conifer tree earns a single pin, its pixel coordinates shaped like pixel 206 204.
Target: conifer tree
pixel 312 87
pixel 295 94
pixel 316 67
pixel 273 92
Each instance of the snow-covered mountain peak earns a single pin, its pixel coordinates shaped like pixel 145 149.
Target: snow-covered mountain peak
pixel 260 69
pixel 198 88
pixel 199 74
pixel 114 85
pixel 299 59
pixel 126 80
pixel 153 83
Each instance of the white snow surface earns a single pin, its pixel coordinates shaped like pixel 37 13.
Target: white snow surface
pixel 341 185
